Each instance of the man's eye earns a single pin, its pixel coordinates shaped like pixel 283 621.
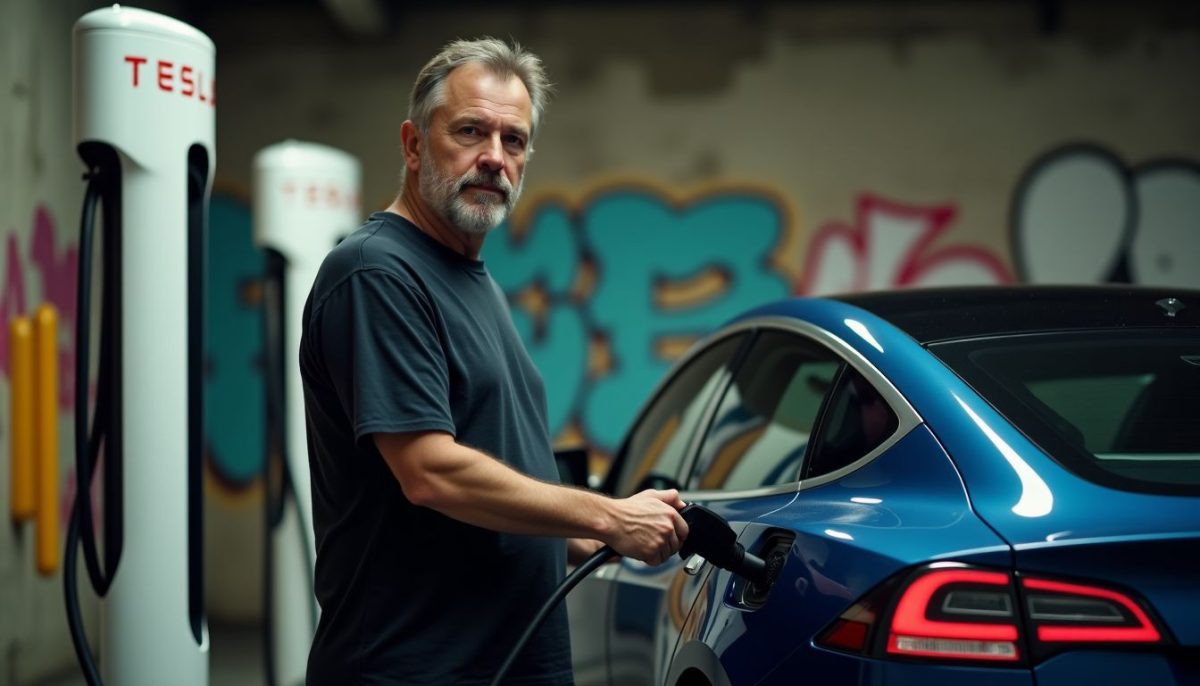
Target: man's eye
pixel 469 130
pixel 515 141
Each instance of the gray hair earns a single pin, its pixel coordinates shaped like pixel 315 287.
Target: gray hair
pixel 500 58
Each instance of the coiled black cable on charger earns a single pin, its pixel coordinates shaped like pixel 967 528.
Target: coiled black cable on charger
pixel 103 189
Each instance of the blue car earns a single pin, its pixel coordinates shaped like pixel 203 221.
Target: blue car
pixel 964 486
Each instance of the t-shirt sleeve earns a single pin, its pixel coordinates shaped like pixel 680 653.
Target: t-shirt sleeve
pixel 384 356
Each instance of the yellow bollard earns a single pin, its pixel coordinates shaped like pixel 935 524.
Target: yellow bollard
pixel 45 340
pixel 20 372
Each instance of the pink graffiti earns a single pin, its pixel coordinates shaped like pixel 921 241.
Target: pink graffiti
pixel 57 271
pixel 12 301
pixel 891 245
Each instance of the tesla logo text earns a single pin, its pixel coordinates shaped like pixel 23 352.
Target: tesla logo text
pixel 172 77
pixel 315 194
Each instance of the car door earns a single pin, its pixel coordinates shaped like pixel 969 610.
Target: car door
pixel 794 410
pixel 608 631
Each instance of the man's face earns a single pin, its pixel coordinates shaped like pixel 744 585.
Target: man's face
pixel 473 156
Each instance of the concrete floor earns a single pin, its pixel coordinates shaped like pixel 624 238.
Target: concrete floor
pixel 236 658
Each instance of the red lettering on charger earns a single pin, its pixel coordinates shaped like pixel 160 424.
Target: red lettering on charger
pixel 165 77
pixel 136 63
pixel 185 77
pixel 191 80
pixel 315 194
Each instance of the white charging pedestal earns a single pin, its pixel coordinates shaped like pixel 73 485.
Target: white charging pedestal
pixel 306 198
pixel 145 102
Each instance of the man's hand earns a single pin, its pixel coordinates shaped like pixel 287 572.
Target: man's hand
pixel 648 526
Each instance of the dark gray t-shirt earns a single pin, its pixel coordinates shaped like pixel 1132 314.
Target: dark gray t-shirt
pixel 401 334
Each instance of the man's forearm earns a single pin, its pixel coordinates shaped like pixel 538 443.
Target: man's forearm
pixel 436 472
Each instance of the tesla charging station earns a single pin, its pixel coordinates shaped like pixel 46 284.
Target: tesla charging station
pixel 145 129
pixel 306 197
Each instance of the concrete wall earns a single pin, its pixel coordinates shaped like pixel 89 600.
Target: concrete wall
pixel 698 159
pixel 40 196
pixel 39 212
pixel 695 160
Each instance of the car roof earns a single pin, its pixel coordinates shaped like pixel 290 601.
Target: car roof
pixel 935 314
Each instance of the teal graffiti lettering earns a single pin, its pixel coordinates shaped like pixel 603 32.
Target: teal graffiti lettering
pixel 546 259
pixel 642 244
pixel 234 405
pixel 637 243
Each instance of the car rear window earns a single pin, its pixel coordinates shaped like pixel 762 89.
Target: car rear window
pixel 1118 407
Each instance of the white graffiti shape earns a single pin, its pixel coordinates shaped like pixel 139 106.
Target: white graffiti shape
pixel 1166 245
pixel 1072 218
pixel 1082 216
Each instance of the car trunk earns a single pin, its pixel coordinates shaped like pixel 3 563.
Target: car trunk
pixel 1159 570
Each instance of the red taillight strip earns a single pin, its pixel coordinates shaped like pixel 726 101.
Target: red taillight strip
pixel 1145 633
pixel 910 619
pixel 956 649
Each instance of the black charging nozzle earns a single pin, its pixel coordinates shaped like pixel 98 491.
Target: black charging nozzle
pixel 710 537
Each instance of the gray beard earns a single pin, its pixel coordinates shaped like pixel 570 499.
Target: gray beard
pixel 446 194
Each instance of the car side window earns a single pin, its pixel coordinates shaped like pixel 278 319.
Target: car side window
pixel 760 432
pixel 856 421
pixel 656 447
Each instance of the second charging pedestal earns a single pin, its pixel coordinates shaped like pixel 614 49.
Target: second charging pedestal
pixel 306 198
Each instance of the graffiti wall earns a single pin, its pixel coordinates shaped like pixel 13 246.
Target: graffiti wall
pixel 40 194
pixel 610 290
pixel 54 269
pixel 889 245
pixel 1081 214
pixel 234 401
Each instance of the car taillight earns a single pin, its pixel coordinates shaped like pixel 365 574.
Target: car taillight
pixel 1073 613
pixel 956 613
pixel 950 611
pixel 852 630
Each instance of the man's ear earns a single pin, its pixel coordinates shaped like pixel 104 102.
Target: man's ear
pixel 410 145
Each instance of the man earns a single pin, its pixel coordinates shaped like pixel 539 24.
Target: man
pixel 439 521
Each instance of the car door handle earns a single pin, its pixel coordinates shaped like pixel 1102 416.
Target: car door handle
pixel 693 565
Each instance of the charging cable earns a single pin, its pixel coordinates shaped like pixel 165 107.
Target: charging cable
pixel 709 536
pixel 589 565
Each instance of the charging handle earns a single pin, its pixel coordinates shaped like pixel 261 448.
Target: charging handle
pixel 710 537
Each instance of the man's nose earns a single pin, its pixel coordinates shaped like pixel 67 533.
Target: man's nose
pixel 492 156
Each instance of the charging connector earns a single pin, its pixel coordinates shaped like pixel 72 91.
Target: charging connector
pixel 710 537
